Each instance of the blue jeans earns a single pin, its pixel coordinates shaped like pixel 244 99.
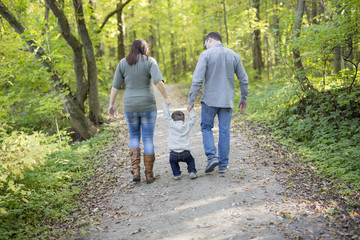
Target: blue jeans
pixel 207 123
pixel 141 124
pixel 184 156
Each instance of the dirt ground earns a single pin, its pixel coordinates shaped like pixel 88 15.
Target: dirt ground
pixel 247 202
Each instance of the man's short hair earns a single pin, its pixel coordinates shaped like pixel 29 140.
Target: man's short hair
pixel 178 116
pixel 214 35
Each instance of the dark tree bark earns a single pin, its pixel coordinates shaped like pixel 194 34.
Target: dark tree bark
pixel 301 75
pixel 121 31
pixel 79 63
pixel 257 56
pixel 94 105
pixel 77 117
pixel 314 12
pixel 337 59
pixel 100 46
pixel 337 50
pixel 226 28
pixel 277 35
pixel 173 72
pixel 152 31
pixel 349 53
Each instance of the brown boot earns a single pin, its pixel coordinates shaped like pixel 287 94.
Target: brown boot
pixel 135 163
pixel 149 160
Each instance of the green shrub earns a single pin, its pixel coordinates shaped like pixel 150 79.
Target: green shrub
pixel 325 125
pixel 40 179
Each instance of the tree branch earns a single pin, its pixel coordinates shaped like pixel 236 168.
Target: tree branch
pixel 110 15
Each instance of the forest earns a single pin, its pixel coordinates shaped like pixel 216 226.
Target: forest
pixel 57 60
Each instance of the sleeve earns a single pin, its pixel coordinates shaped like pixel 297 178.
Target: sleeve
pixel 166 114
pixel 243 79
pixel 118 77
pixel 198 78
pixel 155 72
pixel 192 117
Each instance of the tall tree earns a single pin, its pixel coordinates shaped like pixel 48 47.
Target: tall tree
pixel 225 23
pixel 301 75
pixel 86 85
pixel 121 30
pixel 337 50
pixel 94 105
pixel 257 56
pixel 77 117
pixel 173 71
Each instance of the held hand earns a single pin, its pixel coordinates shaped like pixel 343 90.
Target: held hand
pixel 167 101
pixel 112 110
pixel 242 106
pixel 189 107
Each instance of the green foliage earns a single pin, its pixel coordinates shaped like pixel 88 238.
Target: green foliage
pixel 323 126
pixel 40 179
pixel 27 101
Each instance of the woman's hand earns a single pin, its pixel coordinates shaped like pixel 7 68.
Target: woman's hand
pixel 112 110
pixel 242 106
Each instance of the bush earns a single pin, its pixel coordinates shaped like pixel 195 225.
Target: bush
pixel 326 126
pixel 40 179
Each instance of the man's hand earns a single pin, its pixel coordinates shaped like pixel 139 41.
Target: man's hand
pixel 242 106
pixel 112 110
pixel 189 107
pixel 167 101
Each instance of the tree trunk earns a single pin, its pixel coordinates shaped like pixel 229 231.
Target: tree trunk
pixel 152 31
pixel 257 56
pixel 226 27
pixel 94 105
pixel 301 76
pixel 161 49
pixel 314 12
pixel 337 59
pixel 173 72
pixel 77 117
pixel 349 53
pixel 79 63
pixel 277 34
pixel 93 21
pixel 121 31
pixel 219 17
pixel 337 50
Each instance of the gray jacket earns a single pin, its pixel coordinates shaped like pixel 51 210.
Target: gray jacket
pixel 179 139
pixel 217 66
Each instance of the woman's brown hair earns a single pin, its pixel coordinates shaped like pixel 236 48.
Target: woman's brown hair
pixel 139 46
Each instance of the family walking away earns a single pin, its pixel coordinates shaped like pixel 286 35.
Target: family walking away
pixel 179 141
pixel 139 71
pixel 215 68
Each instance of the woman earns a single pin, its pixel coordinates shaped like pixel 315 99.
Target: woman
pixel 137 71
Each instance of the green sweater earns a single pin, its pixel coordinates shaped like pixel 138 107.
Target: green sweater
pixel 139 93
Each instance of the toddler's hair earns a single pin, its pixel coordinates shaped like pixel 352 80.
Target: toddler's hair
pixel 178 116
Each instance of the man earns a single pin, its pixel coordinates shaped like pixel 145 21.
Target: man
pixel 216 68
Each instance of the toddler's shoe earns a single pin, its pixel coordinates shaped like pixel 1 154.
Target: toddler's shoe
pixel 192 175
pixel 177 177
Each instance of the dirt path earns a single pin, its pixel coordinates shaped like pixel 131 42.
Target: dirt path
pixel 245 203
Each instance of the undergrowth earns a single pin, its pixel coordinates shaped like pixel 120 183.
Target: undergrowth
pixel 324 127
pixel 39 188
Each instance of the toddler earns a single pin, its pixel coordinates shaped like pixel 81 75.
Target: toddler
pixel 179 142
